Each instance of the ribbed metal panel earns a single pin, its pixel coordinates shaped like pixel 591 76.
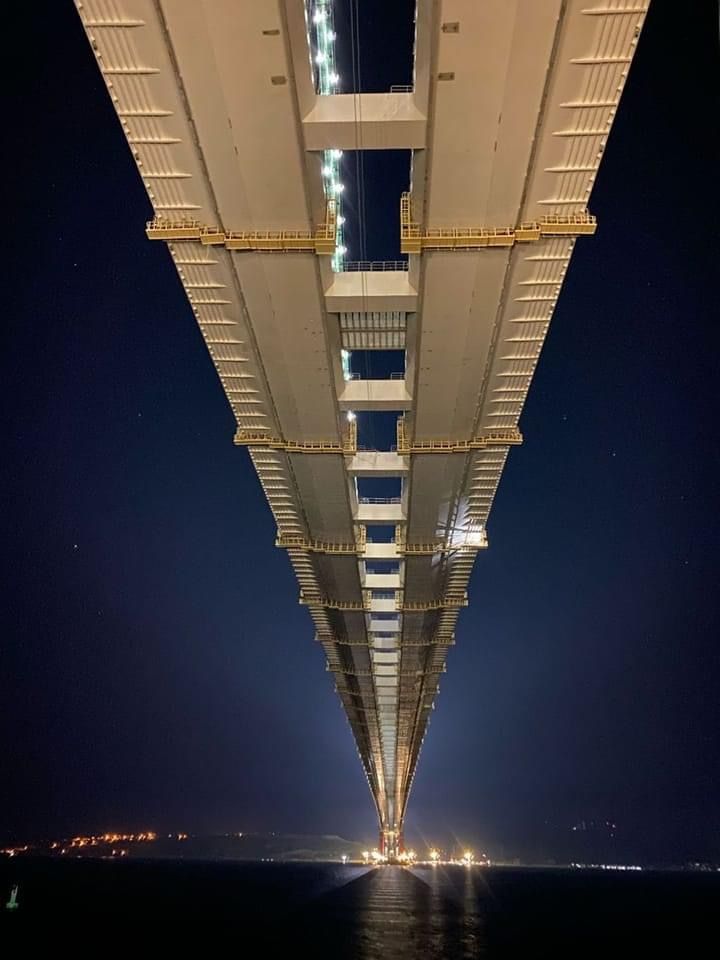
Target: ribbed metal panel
pixel 373 331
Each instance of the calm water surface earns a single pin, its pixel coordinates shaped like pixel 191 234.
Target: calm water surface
pixel 332 911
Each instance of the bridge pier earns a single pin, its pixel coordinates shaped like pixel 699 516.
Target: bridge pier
pixel 391 843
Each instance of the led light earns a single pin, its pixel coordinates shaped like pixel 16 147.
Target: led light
pixel 328 81
pixel 351 417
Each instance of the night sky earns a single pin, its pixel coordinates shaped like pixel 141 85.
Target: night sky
pixel 157 671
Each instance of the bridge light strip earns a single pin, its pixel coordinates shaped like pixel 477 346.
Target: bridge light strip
pixel 327 82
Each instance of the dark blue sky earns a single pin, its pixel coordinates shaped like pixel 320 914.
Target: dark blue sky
pixel 157 670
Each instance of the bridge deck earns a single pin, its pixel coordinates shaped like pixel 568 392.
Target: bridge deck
pixel 508 120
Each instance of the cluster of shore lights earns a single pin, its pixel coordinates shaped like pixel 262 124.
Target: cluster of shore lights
pixel 434 856
pixel 14 851
pixel 327 83
pixel 373 856
pixel 94 841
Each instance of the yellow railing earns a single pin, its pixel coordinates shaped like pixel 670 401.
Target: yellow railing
pixel 350 440
pixel 438 546
pixel 498 438
pixel 317 600
pixel 162 229
pixel 320 241
pixel 292 542
pixel 347 446
pixel 365 605
pixel 402 675
pixel 413 606
pixel 413 239
pixel 573 225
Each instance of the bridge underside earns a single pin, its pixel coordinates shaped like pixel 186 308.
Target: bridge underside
pixel 230 112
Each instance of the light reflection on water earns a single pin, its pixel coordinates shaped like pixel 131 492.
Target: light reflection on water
pixel 291 911
pixel 394 913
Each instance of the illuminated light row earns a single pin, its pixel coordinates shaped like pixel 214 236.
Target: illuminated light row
pixel 93 841
pixel 410 857
pixel 327 82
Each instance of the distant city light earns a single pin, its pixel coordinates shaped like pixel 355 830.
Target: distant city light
pixel 606 866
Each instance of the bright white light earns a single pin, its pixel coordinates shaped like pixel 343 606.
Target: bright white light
pixel 338 187
pixel 320 57
pixel 342 251
pixel 326 171
pixel 351 417
pixel 336 154
pixel 319 16
pixel 334 78
pixel 330 34
pixel 340 220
